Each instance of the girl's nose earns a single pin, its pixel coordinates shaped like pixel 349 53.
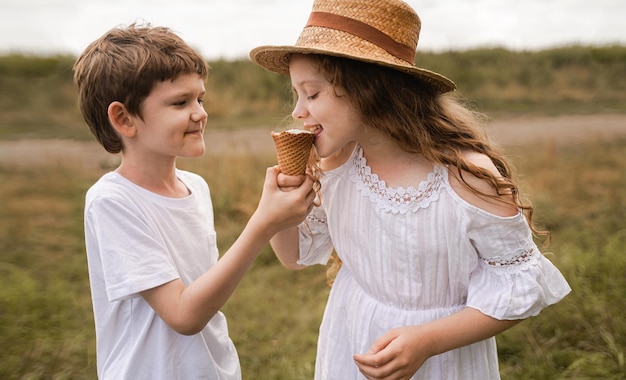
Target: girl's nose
pixel 299 111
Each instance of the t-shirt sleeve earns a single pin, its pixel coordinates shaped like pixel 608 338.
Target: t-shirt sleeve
pixel 131 258
pixel 316 245
pixel 513 279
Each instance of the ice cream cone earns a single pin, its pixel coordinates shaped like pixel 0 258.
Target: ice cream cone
pixel 292 150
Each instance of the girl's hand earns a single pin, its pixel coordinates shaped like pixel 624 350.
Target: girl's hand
pixel 396 355
pixel 400 352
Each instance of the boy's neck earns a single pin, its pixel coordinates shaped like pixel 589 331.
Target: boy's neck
pixel 161 180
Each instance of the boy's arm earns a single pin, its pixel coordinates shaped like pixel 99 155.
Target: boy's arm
pixel 285 244
pixel 188 309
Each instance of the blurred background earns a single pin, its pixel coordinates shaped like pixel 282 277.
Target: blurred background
pixel 229 29
pixel 551 76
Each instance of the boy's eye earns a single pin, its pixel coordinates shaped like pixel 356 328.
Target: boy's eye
pixel 185 102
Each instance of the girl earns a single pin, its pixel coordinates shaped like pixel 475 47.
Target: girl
pixel 424 214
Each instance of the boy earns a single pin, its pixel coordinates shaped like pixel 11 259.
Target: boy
pixel 156 282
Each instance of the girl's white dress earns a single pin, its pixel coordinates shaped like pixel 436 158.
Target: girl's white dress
pixel 414 255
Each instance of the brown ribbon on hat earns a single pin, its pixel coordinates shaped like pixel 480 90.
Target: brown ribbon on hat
pixel 362 30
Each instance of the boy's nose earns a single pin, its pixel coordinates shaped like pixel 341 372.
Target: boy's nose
pixel 199 114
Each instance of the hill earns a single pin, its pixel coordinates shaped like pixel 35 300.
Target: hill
pixel 38 99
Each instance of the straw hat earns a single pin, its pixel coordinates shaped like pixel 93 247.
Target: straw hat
pixel 384 32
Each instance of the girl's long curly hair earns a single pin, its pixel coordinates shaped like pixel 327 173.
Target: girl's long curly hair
pixel 437 126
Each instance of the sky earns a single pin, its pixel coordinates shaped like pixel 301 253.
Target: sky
pixel 230 28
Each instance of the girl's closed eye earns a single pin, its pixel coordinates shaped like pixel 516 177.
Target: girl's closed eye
pixel 314 96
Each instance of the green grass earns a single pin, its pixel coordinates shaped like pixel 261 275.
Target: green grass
pixel 46 321
pixel 581 196
pixel 46 324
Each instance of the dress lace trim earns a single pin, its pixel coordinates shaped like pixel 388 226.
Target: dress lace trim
pixel 316 216
pixel 522 260
pixel 394 200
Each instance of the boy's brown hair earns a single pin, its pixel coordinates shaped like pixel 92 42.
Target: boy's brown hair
pixel 124 65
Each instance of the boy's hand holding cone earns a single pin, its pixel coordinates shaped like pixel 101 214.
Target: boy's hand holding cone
pixel 293 148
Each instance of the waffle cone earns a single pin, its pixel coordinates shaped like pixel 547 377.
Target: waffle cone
pixel 293 148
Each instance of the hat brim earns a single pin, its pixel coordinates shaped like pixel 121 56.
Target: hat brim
pixel 276 59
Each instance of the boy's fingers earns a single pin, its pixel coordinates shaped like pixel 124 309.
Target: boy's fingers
pixel 271 177
pixel 289 180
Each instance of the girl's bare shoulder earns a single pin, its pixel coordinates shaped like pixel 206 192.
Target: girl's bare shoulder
pixel 500 205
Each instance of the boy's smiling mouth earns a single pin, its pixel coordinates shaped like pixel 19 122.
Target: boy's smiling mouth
pixel 195 131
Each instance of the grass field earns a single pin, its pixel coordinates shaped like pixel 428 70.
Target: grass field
pixel 46 326
pixel 46 321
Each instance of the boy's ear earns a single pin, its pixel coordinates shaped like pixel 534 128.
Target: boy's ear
pixel 121 119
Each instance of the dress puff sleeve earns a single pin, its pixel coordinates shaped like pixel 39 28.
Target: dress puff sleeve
pixel 513 279
pixel 315 243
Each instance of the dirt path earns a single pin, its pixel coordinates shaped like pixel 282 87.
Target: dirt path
pixel 256 141
pixel 560 130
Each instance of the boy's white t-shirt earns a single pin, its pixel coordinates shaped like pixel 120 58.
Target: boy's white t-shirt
pixel 137 240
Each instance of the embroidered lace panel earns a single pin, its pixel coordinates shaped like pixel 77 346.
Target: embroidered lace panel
pixel 522 260
pixel 395 200
pixel 316 217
